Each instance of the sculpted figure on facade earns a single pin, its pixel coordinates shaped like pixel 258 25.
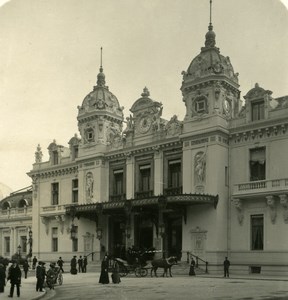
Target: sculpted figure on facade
pixel 38 155
pixel 157 123
pixel 130 125
pixel 200 168
pixel 114 135
pixel 89 186
pixel 174 126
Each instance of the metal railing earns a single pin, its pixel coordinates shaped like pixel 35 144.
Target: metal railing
pixel 197 259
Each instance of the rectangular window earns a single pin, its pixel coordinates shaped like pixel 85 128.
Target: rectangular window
pixel 7 244
pixel 75 152
pixel 257 232
pixel 23 243
pixel 54 239
pixel 145 176
pixel 257 164
pixel 174 174
pixel 55 193
pixel 75 240
pixel 200 106
pixel 118 182
pixel 257 109
pixel 55 158
pixel 75 191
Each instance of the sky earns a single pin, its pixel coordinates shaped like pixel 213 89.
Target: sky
pixel 50 58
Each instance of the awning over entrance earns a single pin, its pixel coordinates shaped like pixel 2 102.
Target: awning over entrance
pixel 163 203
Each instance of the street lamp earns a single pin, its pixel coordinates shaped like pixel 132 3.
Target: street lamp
pixel 128 231
pixel 30 242
pixel 99 233
pixel 162 229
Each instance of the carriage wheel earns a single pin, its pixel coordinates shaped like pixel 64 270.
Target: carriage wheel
pixel 140 272
pixel 60 279
pixel 123 271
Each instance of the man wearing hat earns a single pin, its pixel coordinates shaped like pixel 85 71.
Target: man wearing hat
pixel 14 275
pixel 40 275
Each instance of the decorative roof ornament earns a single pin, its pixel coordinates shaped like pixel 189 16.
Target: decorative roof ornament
pixel 146 92
pixel 210 35
pixel 38 155
pixel 101 75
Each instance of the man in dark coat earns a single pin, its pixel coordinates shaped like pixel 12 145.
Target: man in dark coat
pixel 34 262
pixel 73 265
pixel 40 275
pixel 60 263
pixel 85 263
pixel 26 268
pixel 14 275
pixel 2 278
pixel 80 264
pixel 226 264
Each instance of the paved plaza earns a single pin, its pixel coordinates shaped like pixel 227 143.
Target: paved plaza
pixel 86 286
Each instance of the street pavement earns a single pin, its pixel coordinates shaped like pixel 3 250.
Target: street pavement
pixel 85 286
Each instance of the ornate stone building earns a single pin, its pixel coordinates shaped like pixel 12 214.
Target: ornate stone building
pixel 16 224
pixel 213 184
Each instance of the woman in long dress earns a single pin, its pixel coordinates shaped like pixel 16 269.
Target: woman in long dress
pixel 104 277
pixel 192 268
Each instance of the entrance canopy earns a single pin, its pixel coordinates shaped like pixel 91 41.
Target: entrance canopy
pixel 166 204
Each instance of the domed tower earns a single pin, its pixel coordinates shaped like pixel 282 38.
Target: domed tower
pixel 100 116
pixel 210 85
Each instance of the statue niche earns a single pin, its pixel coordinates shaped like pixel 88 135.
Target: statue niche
pixel 89 187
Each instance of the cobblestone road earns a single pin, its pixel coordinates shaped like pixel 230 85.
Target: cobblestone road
pixel 86 286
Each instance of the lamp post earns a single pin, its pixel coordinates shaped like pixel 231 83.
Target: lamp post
pixel 30 243
pixel 162 229
pixel 99 233
pixel 128 231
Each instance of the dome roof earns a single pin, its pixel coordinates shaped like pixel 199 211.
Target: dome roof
pixel 210 61
pixel 101 99
pixel 4 190
pixel 18 199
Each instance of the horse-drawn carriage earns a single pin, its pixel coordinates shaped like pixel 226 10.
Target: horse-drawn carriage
pixel 141 262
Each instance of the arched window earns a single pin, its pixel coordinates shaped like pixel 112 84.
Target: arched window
pixel 22 203
pixel 6 205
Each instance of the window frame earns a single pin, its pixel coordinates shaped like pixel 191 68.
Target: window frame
pixel 252 232
pixel 54 239
pixel 257 169
pixel 55 193
pixel 257 110
pixel 75 190
pixel 144 163
pixel 116 168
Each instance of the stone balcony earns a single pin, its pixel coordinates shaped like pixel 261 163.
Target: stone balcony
pixel 53 210
pixel 22 212
pixel 260 188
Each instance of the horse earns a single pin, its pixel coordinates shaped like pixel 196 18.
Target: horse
pixel 165 263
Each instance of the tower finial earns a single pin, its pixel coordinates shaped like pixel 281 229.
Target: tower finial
pixel 210 12
pixel 101 67
pixel 101 75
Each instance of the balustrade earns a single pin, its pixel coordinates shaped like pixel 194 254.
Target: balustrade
pixel 263 186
